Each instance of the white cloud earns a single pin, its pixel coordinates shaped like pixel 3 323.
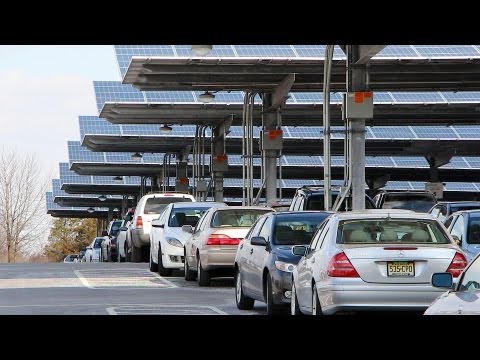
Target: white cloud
pixel 39 113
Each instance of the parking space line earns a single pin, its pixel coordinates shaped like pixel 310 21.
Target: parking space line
pixel 167 310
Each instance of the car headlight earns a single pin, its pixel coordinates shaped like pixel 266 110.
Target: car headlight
pixel 174 242
pixel 284 266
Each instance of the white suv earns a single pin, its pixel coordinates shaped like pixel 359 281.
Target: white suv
pixel 148 208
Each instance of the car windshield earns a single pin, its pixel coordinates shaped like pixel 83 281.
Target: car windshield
pixel 237 217
pixel 157 204
pixel 415 202
pixel 296 229
pixel 471 278
pixel 98 243
pixel 390 231
pixel 185 216
pixel 115 228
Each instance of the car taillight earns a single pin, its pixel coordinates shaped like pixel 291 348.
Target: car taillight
pixel 220 239
pixel 340 266
pixel 457 265
pixel 139 222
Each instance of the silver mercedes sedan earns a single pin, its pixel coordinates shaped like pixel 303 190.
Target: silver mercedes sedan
pixel 373 260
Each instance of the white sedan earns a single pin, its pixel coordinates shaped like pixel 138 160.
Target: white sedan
pixel 462 298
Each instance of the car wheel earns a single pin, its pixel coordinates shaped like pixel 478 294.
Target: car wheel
pixel 189 274
pixel 203 276
pixel 243 302
pixel 136 254
pixel 153 266
pixel 294 306
pixel 272 308
pixel 316 307
pixel 162 270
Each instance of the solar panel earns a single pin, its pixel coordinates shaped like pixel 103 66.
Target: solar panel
pixel 217 51
pixel 169 96
pixel 390 132
pixel 474 161
pixel 462 96
pixel 96 125
pixel 378 161
pixel 434 132
pixel 68 176
pixel 456 162
pixel 115 91
pixel 417 97
pixel 397 51
pixel 304 132
pixel 446 50
pixel 467 131
pixel 302 160
pixel 124 53
pixel 262 50
pixel 410 161
pixel 78 153
pixel 382 97
pixel 400 185
pixel 460 186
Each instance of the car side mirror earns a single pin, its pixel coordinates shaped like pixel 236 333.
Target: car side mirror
pixel 442 280
pixel 457 241
pixel 300 250
pixel 258 240
pixel 157 223
pixel 187 229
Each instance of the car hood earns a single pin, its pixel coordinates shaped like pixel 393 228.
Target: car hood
pixel 456 303
pixel 284 253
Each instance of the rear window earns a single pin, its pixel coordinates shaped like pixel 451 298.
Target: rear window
pixel 158 204
pixel 296 230
pixel 415 202
pixel 236 217
pixel 316 202
pixel 393 231
pixel 473 236
pixel 185 216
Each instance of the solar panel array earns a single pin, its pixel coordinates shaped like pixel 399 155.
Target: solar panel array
pixel 124 53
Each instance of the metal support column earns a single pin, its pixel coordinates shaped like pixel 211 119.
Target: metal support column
pixel 219 134
pixel 270 156
pixel 357 81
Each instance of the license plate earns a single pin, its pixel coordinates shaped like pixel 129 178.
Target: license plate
pixel 400 268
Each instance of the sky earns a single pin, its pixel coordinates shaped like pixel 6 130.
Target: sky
pixel 43 91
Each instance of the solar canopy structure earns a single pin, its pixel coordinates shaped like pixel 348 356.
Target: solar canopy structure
pixel 134 115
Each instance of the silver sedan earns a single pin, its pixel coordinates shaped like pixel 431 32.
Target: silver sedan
pixel 373 260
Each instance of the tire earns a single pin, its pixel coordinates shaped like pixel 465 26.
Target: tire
pixel 189 274
pixel 152 265
pixel 203 276
pixel 243 302
pixel 136 254
pixel 294 306
pixel 161 270
pixel 272 308
pixel 316 307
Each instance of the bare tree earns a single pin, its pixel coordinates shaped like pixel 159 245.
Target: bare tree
pixel 22 203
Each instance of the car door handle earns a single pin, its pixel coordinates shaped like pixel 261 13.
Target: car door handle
pixel 251 251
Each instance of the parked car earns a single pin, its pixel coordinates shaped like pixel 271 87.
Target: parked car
pixel 264 261
pixel 109 246
pixel 122 236
pixel 461 298
pixel 312 198
pixel 149 207
pixel 211 248
pixel 443 209
pixel 71 258
pixel 167 238
pixel 373 260
pixel 93 250
pixel 464 226
pixel 81 255
pixel 419 201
